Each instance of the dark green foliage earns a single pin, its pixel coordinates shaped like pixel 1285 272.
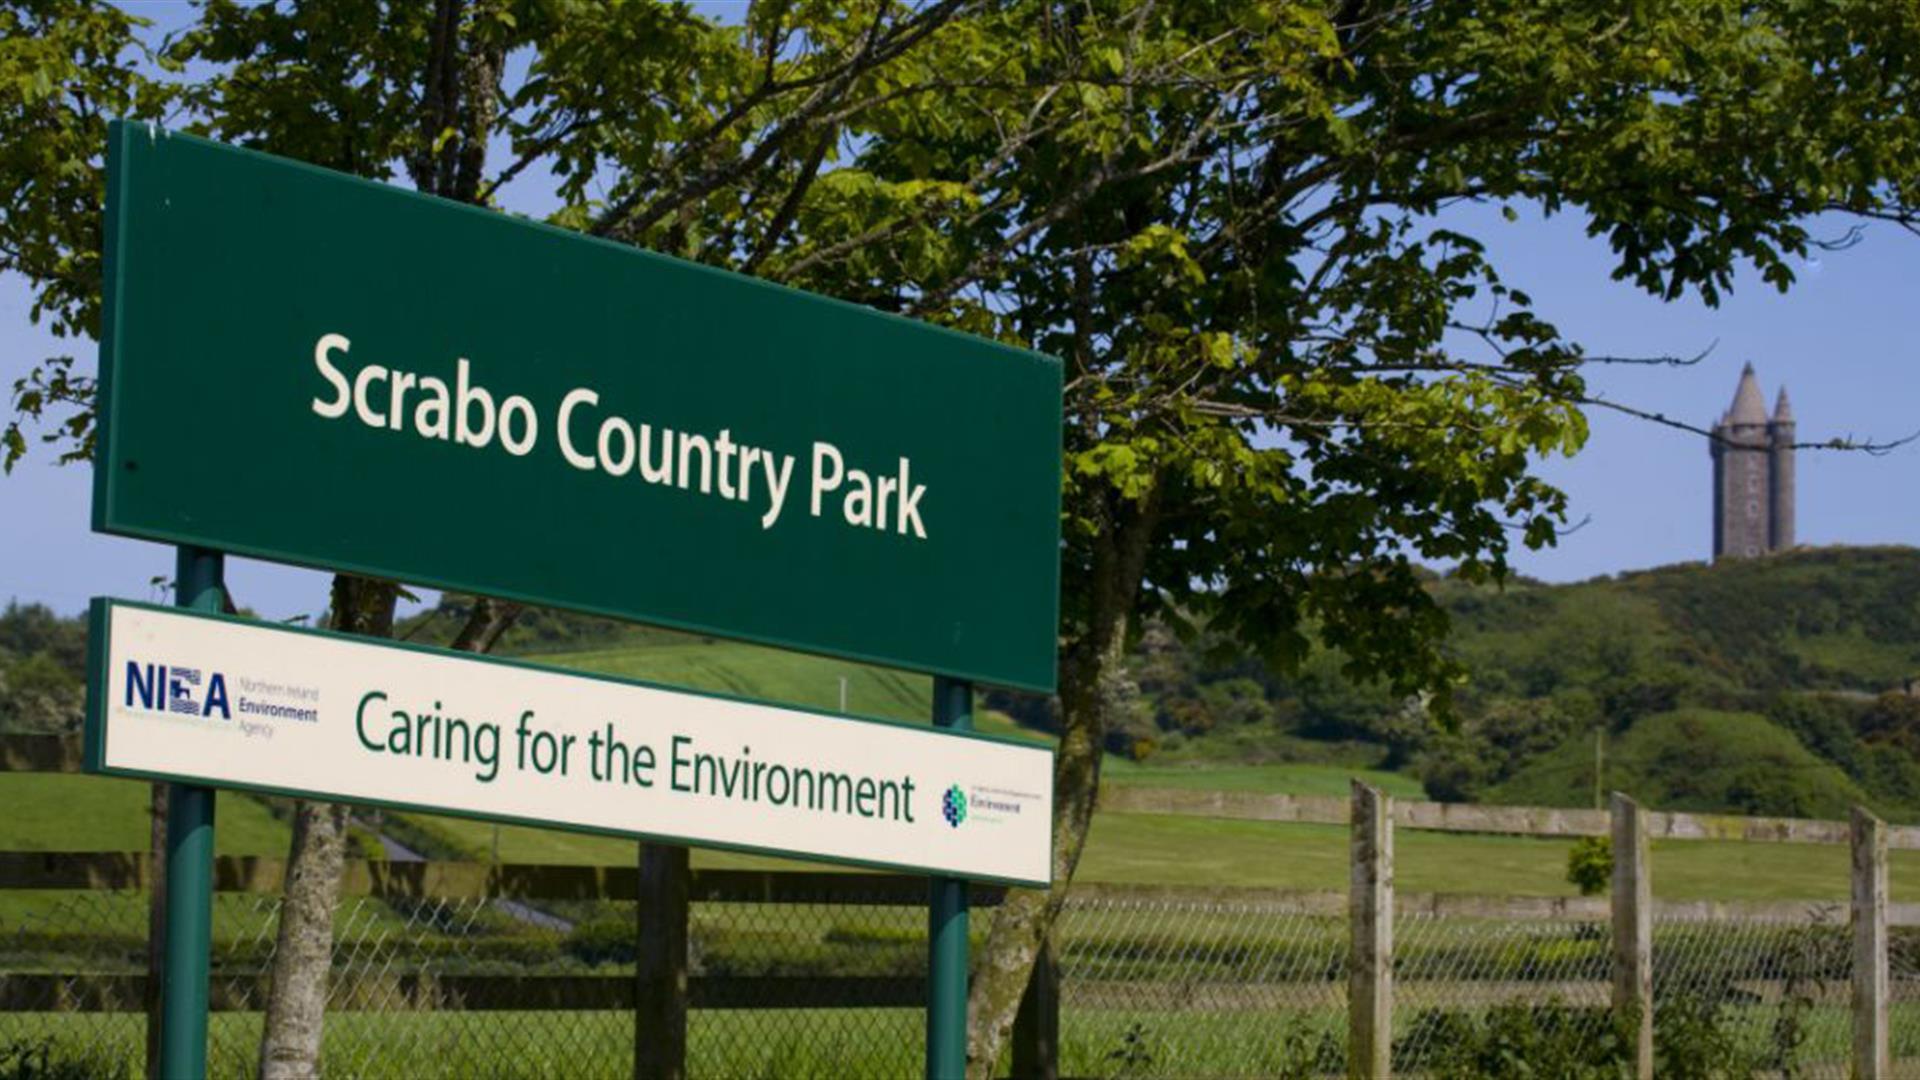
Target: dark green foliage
pixel 42 669
pixel 1547 1040
pixel 1829 618
pixel 45 1060
pixel 1813 619
pixel 1490 745
pixel 1805 638
pixel 28 630
pixel 1692 1040
pixel 1133 1056
pixel 605 940
pixel 1695 759
pixel 1893 720
pixel 1308 1052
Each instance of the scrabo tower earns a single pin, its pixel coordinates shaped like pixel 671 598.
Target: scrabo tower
pixel 1752 474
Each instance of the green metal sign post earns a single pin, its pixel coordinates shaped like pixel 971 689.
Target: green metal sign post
pixel 947 922
pixel 198 584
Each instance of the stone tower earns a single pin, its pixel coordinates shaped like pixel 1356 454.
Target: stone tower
pixel 1752 474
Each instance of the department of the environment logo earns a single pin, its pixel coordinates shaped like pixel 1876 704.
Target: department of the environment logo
pixel 953 806
pixel 171 688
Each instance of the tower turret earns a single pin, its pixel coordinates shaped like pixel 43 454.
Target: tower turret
pixel 1742 450
pixel 1780 442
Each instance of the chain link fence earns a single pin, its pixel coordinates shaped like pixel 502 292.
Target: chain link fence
pixel 1154 982
pixel 70 1000
pixel 858 947
pixel 416 988
pixel 1776 987
pixel 1158 984
pixel 1903 970
pixel 1161 982
pixel 1455 977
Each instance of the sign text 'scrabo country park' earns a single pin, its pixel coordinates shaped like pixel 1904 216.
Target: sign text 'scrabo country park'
pixel 338 373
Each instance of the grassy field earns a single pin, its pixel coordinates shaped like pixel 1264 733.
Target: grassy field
pixel 768 674
pixel 1169 850
pixel 89 813
pixel 1287 779
pixel 50 812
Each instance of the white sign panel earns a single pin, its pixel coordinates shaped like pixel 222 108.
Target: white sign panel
pixel 231 703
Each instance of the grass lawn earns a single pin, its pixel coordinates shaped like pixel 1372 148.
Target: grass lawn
pixel 1287 779
pixel 766 674
pixel 1156 850
pixel 70 812
pixel 1151 849
pixel 85 813
pixel 783 677
pixel 527 845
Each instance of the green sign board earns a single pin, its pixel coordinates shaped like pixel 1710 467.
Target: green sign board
pixel 309 367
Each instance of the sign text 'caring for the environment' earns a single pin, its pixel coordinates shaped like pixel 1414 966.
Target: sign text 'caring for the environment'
pixel 222 701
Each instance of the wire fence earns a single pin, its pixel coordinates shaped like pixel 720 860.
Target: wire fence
pixel 1154 983
pixel 1780 988
pixel 1162 985
pixel 1903 971
pixel 1452 976
pixel 452 969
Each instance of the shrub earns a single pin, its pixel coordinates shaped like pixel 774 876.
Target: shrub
pixel 1693 1041
pixel 604 941
pixel 1590 865
pixel 1514 1041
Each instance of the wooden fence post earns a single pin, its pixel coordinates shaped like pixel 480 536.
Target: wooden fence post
pixel 1871 1058
pixel 1036 1028
pixel 1370 958
pixel 1633 928
pixel 660 962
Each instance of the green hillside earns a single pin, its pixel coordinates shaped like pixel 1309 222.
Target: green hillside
pixel 1767 686
pixel 1800 658
pixel 1694 759
pixel 1813 619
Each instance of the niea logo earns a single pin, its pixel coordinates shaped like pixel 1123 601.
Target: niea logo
pixel 953 806
pixel 174 689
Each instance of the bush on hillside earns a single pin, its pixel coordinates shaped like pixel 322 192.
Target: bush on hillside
pixel 1893 720
pixel 1694 759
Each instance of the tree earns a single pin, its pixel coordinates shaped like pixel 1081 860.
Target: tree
pixel 1291 372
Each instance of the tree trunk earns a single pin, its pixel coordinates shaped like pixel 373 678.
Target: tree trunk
pixel 1091 683
pixel 303 955
pixel 1022 922
pixel 303 952
pixel 465 59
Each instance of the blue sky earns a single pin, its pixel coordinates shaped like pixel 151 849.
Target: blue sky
pixel 1842 340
